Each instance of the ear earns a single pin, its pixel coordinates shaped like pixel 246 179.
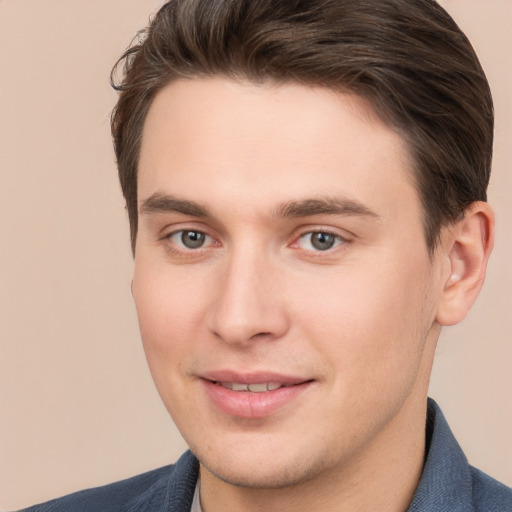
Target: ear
pixel 467 248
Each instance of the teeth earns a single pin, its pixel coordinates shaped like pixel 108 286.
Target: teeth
pixel 255 388
pixel 258 388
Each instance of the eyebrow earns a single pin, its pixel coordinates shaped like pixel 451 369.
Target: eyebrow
pixel 163 203
pixel 323 206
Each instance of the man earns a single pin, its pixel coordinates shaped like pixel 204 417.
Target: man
pixel 306 186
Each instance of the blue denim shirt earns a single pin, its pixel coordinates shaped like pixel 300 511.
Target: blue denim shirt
pixel 448 484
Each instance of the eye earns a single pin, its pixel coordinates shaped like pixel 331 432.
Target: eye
pixel 190 239
pixel 319 241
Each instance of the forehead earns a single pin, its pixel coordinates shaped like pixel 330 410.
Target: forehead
pixel 259 144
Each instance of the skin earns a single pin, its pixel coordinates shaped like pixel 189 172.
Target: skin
pixel 243 164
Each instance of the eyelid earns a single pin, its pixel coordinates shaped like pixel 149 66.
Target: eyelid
pixel 178 227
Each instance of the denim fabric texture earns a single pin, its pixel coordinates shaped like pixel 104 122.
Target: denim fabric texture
pixel 448 484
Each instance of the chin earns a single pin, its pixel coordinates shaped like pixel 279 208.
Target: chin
pixel 276 478
pixel 273 471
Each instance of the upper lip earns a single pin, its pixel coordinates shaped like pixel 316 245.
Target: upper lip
pixel 256 377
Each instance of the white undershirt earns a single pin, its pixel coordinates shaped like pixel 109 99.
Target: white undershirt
pixel 196 502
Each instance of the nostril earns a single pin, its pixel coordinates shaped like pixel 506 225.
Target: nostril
pixel 261 335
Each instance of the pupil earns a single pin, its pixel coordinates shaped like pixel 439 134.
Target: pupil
pixel 322 241
pixel 192 239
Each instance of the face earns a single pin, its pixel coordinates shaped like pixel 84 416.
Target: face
pixel 285 294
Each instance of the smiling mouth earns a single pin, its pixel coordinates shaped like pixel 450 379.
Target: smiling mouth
pixel 255 398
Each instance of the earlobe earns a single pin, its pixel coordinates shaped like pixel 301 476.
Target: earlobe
pixel 467 251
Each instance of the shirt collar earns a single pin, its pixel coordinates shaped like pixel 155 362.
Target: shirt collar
pixel 446 480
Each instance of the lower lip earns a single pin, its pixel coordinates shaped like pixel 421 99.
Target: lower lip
pixel 250 405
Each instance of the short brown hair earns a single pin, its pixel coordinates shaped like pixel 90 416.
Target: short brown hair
pixel 408 58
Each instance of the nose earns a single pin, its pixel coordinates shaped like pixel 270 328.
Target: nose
pixel 249 303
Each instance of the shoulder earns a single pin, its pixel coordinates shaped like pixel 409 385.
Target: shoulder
pixel 113 497
pixel 489 495
pixel 448 482
pixel 148 492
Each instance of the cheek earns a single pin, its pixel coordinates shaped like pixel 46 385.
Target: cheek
pixel 169 317
pixel 169 313
pixel 370 322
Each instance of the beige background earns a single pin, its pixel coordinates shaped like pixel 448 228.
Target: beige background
pixel 77 403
